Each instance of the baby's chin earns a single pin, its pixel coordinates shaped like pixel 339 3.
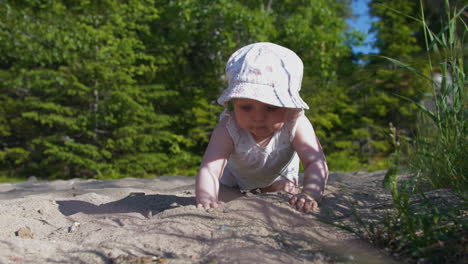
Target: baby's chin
pixel 260 134
pixel 264 130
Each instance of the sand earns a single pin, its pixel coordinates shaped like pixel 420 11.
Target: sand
pixel 155 221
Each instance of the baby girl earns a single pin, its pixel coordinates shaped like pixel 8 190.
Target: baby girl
pixel 263 134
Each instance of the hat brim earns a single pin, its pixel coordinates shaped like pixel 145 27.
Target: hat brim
pixel 268 95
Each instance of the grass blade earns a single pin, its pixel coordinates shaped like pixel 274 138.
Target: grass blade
pixel 420 106
pixel 407 67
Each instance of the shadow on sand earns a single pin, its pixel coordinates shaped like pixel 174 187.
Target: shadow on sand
pixel 142 204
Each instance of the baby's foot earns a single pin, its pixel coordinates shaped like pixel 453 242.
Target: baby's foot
pixel 281 186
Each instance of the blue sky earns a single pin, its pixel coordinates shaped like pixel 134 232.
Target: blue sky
pixel 362 22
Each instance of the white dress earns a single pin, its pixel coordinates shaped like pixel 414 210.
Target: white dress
pixel 252 166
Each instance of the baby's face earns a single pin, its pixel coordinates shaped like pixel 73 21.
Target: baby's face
pixel 260 119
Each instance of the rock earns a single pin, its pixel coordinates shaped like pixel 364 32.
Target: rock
pixel 24 232
pixel 73 227
pixel 149 215
pixel 33 179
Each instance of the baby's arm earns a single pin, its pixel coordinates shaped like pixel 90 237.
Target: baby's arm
pixel 212 167
pixel 310 152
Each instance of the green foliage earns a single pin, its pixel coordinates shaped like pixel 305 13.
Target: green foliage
pixel 8 178
pixel 74 93
pixel 114 89
pixel 428 221
pixel 86 87
pixel 440 144
pixel 395 27
pixel 13 156
pixel 334 122
pixel 344 161
pixel 377 85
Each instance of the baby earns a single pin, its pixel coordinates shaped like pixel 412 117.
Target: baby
pixel 263 134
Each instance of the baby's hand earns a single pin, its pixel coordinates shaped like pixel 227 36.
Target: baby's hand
pixel 303 202
pixel 208 203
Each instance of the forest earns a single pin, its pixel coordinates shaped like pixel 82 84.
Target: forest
pixel 111 89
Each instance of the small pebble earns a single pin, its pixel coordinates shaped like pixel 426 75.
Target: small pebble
pixel 24 232
pixel 73 227
pixel 136 194
pixel 223 227
pixel 17 259
pixel 120 222
pixel 249 194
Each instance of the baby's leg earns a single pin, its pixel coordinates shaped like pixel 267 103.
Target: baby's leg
pixel 228 193
pixel 228 189
pixel 281 186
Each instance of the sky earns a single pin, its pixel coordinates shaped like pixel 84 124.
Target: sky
pixel 362 22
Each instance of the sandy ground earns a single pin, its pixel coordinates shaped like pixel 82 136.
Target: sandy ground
pixel 156 221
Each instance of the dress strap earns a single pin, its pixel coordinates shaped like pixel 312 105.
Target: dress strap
pixel 231 125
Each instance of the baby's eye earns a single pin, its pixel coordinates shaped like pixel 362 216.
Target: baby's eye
pixel 246 108
pixel 272 108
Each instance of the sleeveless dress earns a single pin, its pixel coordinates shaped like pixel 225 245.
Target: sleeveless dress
pixel 252 166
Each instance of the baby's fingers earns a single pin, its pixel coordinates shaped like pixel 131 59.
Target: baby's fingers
pixel 209 205
pixel 309 206
pixel 215 204
pixel 300 203
pixel 203 205
pixel 303 203
pixel 293 200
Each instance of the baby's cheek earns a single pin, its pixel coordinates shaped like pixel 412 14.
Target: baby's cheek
pixel 243 124
pixel 277 126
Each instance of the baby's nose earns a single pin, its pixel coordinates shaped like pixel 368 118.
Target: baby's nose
pixel 259 115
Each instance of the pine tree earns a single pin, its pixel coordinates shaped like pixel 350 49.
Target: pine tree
pixel 380 84
pixel 75 92
pixel 111 89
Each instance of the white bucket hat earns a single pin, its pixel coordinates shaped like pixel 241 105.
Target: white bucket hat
pixel 265 72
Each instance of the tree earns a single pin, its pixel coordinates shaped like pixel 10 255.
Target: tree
pixel 75 91
pixel 380 84
pixel 115 88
